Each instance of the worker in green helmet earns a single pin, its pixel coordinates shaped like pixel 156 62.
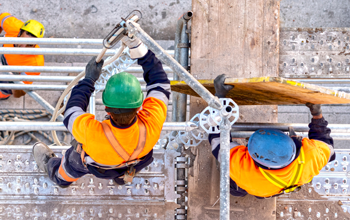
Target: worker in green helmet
pixel 120 146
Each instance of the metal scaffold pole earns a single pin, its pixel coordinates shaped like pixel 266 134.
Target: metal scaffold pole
pixel 225 169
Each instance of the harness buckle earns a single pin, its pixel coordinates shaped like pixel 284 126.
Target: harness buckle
pixel 129 174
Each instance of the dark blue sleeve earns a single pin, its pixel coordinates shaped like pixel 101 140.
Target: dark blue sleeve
pixel 153 73
pixel 80 97
pixel 320 131
pixel 212 136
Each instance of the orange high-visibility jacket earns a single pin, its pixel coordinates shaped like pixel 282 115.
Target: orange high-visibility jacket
pixel 89 132
pixel 11 26
pixel 247 175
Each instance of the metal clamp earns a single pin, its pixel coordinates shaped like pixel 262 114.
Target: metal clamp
pixel 210 118
pixel 208 122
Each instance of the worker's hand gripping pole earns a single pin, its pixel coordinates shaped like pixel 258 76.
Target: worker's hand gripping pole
pixel 135 29
pixel 117 33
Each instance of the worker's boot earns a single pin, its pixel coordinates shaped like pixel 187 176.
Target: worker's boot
pixel 42 154
pixel 4 95
pixel 119 181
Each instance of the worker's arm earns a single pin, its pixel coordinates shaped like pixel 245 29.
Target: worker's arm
pixel 158 84
pixel 319 130
pixel 18 93
pixel 221 91
pixel 10 24
pixel 80 96
pixel 214 140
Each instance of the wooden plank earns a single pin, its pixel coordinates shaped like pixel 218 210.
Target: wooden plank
pixel 271 91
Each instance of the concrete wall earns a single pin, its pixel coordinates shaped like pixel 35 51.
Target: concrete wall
pixel 95 19
pixel 315 13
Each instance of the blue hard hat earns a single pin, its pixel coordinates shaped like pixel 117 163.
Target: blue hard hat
pixel 271 148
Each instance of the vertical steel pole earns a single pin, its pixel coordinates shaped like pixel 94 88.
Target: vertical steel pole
pixel 92 104
pixel 175 95
pixel 184 52
pixel 225 169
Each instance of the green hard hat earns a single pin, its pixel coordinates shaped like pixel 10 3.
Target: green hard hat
pixel 123 90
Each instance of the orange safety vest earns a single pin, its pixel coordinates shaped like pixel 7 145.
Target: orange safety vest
pixel 89 132
pixel 12 26
pixel 249 177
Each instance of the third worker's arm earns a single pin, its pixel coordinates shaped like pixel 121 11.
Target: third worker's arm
pixel 221 91
pixel 319 130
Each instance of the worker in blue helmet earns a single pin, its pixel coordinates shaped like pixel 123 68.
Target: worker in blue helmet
pixel 274 163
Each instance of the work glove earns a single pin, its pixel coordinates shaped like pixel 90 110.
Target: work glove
pixel 315 109
pixel 221 89
pixel 292 134
pixel 136 48
pixel 93 69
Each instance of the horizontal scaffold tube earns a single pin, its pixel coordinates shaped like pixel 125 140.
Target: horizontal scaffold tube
pixel 299 127
pixel 243 128
pixel 62 69
pixel 33 87
pixel 247 134
pixel 34 78
pixel 53 41
pixel 59 126
pixel 63 87
pixel 100 102
pixel 60 51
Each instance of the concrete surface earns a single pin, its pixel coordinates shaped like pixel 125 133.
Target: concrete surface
pixel 95 19
pixel 315 13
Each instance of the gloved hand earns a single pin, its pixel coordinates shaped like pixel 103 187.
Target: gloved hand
pixel 294 135
pixel 93 69
pixel 221 89
pixel 136 48
pixel 315 109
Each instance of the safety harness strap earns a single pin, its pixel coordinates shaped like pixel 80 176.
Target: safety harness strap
pixel 142 140
pixel 119 149
pixel 292 185
pixel 114 142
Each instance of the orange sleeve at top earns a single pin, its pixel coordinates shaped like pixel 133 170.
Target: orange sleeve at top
pixel 10 24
